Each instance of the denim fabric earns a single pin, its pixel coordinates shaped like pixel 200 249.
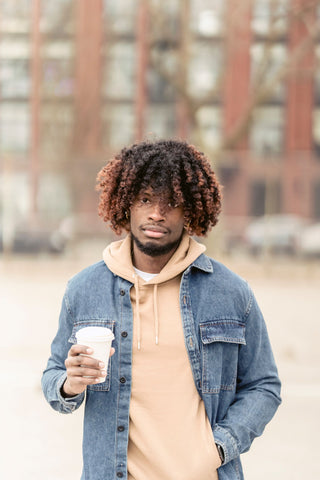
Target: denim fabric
pixel 228 347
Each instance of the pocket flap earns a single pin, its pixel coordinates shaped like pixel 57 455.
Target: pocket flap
pixel 223 330
pixel 90 323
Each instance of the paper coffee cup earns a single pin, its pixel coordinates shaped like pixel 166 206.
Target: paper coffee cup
pixel 99 339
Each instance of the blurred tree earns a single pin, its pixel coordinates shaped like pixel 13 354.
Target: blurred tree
pixel 201 76
pixel 105 73
pixel 237 70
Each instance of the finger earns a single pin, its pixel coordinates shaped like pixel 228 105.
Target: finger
pixel 85 372
pixel 112 351
pixel 85 361
pixel 80 349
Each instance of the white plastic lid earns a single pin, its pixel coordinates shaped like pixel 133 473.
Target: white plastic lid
pixel 97 334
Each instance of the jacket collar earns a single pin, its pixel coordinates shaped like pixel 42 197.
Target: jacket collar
pixel 202 263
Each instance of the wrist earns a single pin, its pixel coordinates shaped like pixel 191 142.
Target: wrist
pixel 65 390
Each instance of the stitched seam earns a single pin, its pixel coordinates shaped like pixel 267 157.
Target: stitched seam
pixel 93 320
pixel 250 302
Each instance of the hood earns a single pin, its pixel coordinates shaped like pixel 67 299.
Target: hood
pixel 117 257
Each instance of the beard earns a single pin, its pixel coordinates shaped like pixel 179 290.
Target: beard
pixel 152 249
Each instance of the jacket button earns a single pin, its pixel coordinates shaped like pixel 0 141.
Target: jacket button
pixel 119 474
pixel 122 292
pixel 123 380
pixel 124 334
pixel 121 428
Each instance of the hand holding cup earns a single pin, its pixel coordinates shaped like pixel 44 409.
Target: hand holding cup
pixel 87 362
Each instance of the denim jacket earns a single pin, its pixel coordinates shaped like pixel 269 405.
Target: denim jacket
pixel 229 352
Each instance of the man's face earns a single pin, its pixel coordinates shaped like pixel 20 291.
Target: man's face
pixel 156 228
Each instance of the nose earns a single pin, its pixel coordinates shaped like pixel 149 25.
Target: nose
pixel 155 213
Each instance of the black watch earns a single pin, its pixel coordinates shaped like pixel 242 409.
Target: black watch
pixel 221 452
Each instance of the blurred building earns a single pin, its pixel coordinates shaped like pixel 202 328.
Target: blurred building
pixel 80 79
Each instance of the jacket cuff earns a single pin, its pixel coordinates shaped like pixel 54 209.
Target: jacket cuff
pixel 68 404
pixel 228 443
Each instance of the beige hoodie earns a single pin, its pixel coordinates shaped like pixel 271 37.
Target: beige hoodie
pixel 170 436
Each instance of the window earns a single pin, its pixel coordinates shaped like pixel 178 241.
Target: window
pixel 15 16
pixel 14 208
pixel 57 68
pixel 267 131
pixel 14 127
pixel 160 120
pixel 57 17
pixel 14 48
pixel 58 78
pixel 266 62
pixel 119 71
pixel 120 16
pixel 56 133
pixel 118 125
pixel 54 197
pixel 209 121
pixel 265 198
pixel 159 89
pixel 14 79
pixel 206 17
pixel 165 23
pixel 270 17
pixel 58 49
pixel 257 199
pixel 204 69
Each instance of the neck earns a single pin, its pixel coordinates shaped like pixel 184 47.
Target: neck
pixel 149 264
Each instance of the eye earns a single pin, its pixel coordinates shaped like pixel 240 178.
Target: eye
pixel 144 200
pixel 173 205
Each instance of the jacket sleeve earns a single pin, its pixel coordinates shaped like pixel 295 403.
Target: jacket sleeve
pixel 55 373
pixel 258 389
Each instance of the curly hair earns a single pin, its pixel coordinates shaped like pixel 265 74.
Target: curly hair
pixel 170 167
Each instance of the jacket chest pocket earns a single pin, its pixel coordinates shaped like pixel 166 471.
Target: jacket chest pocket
pixel 220 340
pixel 103 386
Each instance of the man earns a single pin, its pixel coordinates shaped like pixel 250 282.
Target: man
pixel 192 379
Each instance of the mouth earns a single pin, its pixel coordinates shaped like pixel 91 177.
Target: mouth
pixel 153 231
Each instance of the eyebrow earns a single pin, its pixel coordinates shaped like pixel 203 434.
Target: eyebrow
pixel 145 194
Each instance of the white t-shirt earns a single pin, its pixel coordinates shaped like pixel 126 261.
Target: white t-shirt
pixel 145 275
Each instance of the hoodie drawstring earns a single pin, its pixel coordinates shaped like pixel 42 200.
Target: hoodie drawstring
pixel 155 312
